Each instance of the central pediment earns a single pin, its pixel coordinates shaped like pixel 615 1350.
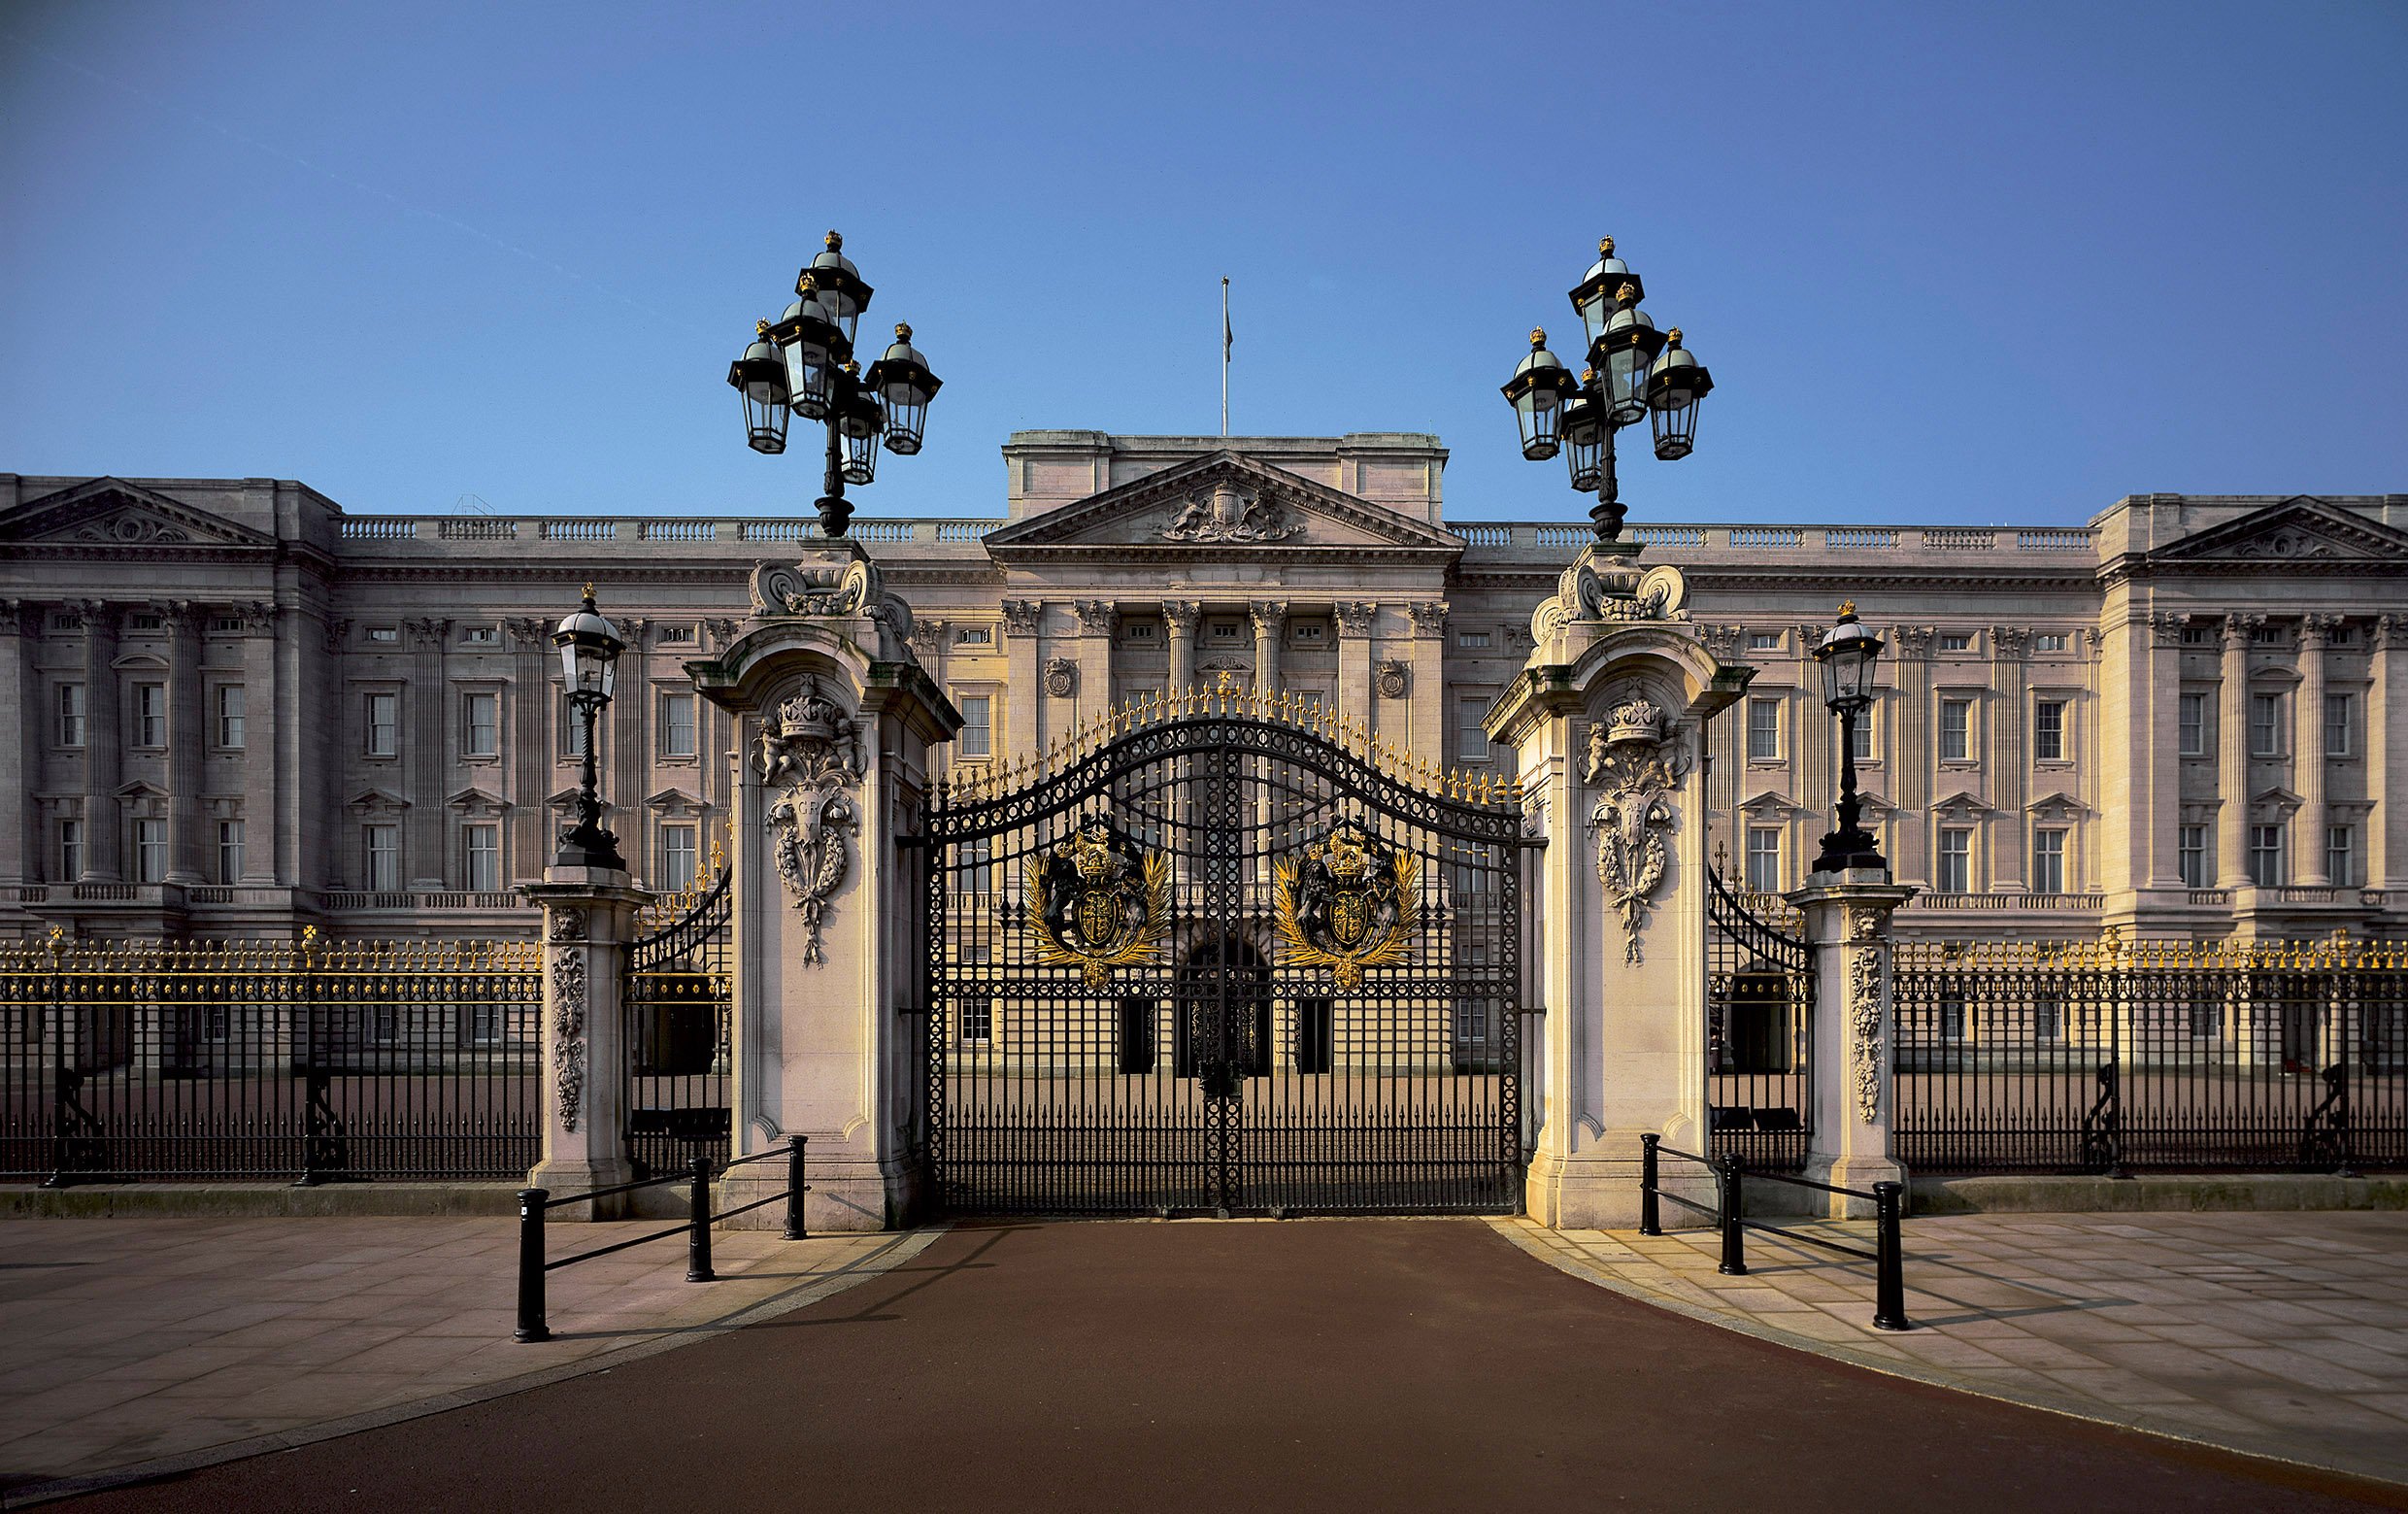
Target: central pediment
pixel 2299 529
pixel 111 513
pixel 1221 505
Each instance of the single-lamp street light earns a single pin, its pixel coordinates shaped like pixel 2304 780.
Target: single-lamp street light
pixel 589 648
pixel 1847 654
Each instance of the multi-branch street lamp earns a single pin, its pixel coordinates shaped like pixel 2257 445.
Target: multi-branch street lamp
pixel 803 365
pixel 1847 652
pixel 589 648
pixel 1633 371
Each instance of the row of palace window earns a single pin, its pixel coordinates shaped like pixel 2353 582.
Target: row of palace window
pixel 481 853
pixel 2270 724
pixel 2051 731
pixel 1951 870
pixel 480 720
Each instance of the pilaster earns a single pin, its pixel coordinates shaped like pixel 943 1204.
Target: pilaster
pixel 1427 699
pixel 2308 765
pixel 2232 754
pixel 427 747
pixel 1180 618
pixel 21 753
pixel 1356 617
pixel 2386 755
pixel 188 720
pixel 1270 618
pixel 265 710
pixel 1092 659
pixel 104 745
pixel 530 755
pixel 1021 736
pixel 2010 757
pixel 2152 698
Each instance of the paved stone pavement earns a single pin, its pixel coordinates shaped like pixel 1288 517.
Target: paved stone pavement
pixel 2281 1334
pixel 1397 1365
pixel 128 1340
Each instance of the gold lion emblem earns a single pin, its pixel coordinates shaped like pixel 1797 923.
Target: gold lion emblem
pixel 1353 902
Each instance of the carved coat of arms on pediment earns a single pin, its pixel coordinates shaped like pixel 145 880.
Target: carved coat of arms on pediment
pixel 1227 513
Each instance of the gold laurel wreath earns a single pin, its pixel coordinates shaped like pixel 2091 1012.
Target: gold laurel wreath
pixel 1393 947
pixel 1095 967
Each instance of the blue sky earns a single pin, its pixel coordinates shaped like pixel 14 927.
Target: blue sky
pixel 1947 261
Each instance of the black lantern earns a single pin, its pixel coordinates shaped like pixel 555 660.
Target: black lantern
pixel 1623 355
pixel 1847 654
pixel 861 422
pixel 1633 371
pixel 1597 293
pixel 813 342
pixel 1582 430
pixel 589 648
pixel 903 385
pixel 1674 386
pixel 1537 391
pixel 759 377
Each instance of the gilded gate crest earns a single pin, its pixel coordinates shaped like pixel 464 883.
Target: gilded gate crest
pixel 1351 903
pixel 1099 904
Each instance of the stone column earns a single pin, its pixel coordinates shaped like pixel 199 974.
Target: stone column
pixel 2152 701
pixel 325 756
pixel 1606 725
pixel 426 751
pixel 2010 757
pixel 1912 749
pixel 265 715
pixel 25 838
pixel 1356 617
pixel 2232 750
pixel 532 659
pixel 188 722
pixel 2309 774
pixel 589 916
pixel 1847 924
pixel 2387 757
pixel 1180 618
pixel 1021 736
pixel 630 752
pixel 1432 730
pixel 1270 618
pixel 104 745
pixel 1092 695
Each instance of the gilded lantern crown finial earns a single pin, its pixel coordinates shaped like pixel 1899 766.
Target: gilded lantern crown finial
pixel 1538 338
pixel 835 241
pixel 1605 247
pixel 1672 338
pixel 852 366
pixel 1628 295
pixel 760 329
pixel 589 597
pixel 902 330
pixel 807 285
pixel 1847 608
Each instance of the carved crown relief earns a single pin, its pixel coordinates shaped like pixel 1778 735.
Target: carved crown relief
pixel 1227 513
pixel 809 758
pixel 1637 763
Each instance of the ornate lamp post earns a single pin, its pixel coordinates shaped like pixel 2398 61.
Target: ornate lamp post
pixel 1633 371
pixel 803 365
pixel 589 648
pixel 1847 652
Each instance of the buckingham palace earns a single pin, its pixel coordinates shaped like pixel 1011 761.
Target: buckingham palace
pixel 242 710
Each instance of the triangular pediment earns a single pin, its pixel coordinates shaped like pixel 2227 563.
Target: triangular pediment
pixel 2299 529
pixel 378 801
pixel 107 512
pixel 1770 802
pixel 1963 805
pixel 473 801
pixel 674 801
pixel 1219 505
pixel 2058 805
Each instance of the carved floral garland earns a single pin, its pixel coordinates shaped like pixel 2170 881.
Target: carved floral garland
pixel 1864 1010
pixel 568 1031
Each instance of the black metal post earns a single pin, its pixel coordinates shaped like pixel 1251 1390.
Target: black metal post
pixel 1651 1220
pixel 1888 1260
pixel 796 1189
pixel 1851 845
pixel 1734 1207
pixel 1607 512
pixel 587 844
pixel 531 1325
pixel 834 509
pixel 61 1096
pixel 698 1226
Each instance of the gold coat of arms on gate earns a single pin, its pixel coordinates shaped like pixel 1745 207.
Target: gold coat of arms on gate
pixel 1353 902
pixel 1099 904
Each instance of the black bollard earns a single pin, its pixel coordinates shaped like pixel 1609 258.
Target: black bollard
pixel 531 1325
pixel 796 1189
pixel 1651 1220
pixel 699 1221
pixel 1734 1235
pixel 1889 1261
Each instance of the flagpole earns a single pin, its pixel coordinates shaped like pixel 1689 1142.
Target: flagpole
pixel 1224 357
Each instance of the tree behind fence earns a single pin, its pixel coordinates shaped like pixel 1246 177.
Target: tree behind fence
pixel 2109 1057
pixel 302 1059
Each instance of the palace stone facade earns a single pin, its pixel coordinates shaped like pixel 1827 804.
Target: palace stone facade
pixel 240 710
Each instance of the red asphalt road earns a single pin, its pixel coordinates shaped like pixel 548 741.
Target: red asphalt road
pixel 1388 1364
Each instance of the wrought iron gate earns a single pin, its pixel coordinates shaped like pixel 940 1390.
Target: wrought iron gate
pixel 1217 956
pixel 677 998
pixel 1759 1007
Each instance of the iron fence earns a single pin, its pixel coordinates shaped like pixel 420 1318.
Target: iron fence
pixel 311 1060
pixel 1760 1009
pixel 2103 1056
